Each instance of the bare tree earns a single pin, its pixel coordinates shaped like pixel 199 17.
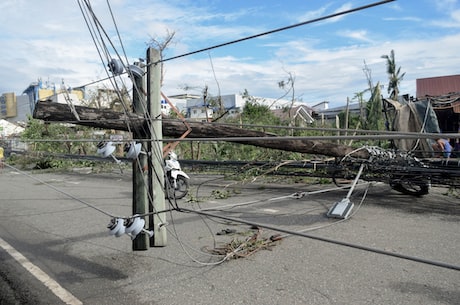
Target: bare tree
pixel 105 97
pixel 161 45
pixel 289 88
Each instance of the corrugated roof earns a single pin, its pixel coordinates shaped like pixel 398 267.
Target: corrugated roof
pixel 435 86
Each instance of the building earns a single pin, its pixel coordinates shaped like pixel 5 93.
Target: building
pixel 447 109
pixel 39 91
pixel 178 101
pixel 8 108
pixel 299 116
pixel 233 104
pixel 200 110
pixel 320 106
pixel 331 113
pixel 14 108
pixel 436 86
pixel 443 92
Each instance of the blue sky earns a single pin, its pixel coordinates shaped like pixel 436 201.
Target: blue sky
pixel 49 40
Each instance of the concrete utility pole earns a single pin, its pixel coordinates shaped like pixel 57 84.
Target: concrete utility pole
pixel 156 162
pixel 140 177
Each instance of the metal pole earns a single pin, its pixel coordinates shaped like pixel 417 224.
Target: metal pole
pixel 140 178
pixel 156 162
pixel 355 181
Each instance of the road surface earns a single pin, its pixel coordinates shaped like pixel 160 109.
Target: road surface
pixel 44 218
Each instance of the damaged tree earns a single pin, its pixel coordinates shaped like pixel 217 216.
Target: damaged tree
pixel 106 119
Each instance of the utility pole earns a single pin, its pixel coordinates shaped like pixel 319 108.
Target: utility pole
pixel 106 119
pixel 155 149
pixel 140 177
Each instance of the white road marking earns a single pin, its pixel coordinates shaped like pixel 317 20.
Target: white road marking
pixel 57 289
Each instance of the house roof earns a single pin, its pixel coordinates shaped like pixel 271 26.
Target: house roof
pixel 302 111
pixel 332 112
pixel 436 86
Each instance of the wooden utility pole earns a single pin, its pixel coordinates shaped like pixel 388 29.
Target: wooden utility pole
pixel 106 119
pixel 156 162
pixel 140 178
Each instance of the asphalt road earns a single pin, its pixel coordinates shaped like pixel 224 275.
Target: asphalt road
pixel 42 218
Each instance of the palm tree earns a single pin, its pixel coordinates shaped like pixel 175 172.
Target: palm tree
pixel 394 75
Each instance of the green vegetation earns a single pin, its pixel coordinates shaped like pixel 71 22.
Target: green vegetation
pixel 52 138
pixel 255 116
pixel 57 138
pixel 48 141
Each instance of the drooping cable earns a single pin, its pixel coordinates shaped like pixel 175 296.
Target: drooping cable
pixel 101 30
pixel 278 30
pixel 329 240
pixel 265 33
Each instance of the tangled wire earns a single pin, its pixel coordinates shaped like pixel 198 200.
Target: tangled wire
pixel 237 248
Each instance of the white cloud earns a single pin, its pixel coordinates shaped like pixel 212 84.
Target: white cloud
pixel 452 22
pixel 326 60
pixel 445 5
pixel 360 35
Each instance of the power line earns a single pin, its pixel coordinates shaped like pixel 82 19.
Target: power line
pixel 312 138
pixel 324 239
pixel 396 136
pixel 279 29
pixel 264 33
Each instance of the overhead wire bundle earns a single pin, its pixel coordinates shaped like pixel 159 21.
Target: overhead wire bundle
pixel 117 63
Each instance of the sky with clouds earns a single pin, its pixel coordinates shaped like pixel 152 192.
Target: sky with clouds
pixel 50 40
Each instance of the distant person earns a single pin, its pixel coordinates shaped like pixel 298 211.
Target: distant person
pixel 442 147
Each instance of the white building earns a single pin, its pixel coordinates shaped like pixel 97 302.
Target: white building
pixel 196 108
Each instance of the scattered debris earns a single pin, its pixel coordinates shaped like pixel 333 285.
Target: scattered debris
pixel 237 248
pixel 226 231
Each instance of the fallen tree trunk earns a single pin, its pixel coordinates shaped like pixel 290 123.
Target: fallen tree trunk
pixel 107 119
